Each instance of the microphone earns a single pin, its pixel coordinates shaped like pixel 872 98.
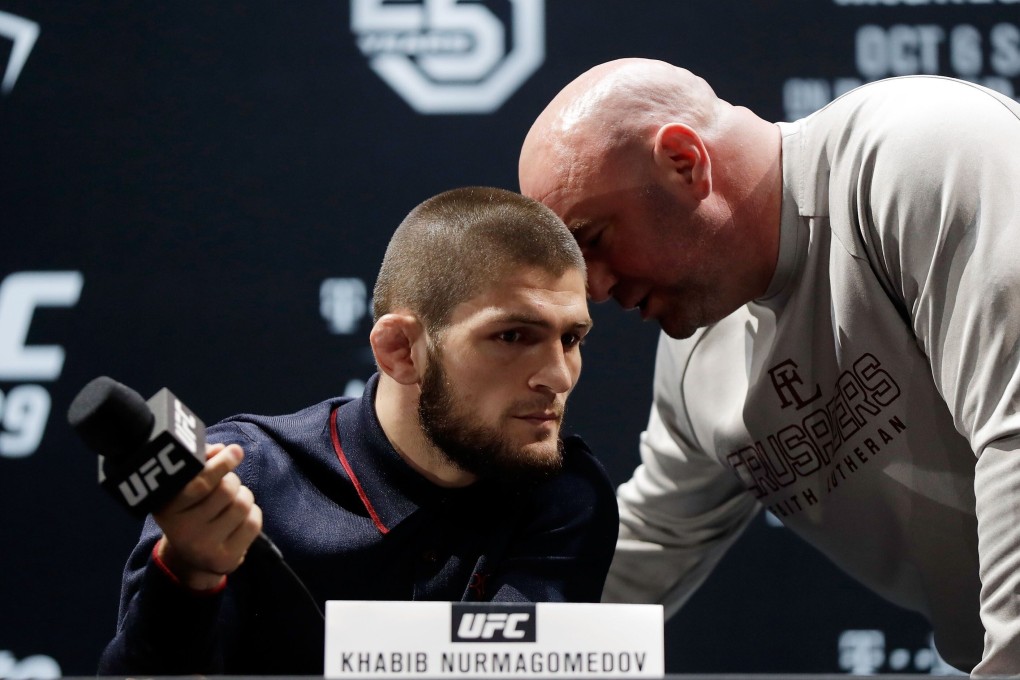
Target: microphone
pixel 148 450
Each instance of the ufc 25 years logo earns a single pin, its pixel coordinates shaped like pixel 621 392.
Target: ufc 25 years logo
pixel 25 408
pixel 451 56
pixel 492 623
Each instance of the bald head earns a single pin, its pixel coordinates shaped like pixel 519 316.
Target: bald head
pixel 611 106
pixel 673 194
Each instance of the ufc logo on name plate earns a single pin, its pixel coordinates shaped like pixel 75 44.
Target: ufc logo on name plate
pixel 447 56
pixel 492 623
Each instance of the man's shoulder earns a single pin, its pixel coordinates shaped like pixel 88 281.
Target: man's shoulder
pixel 301 434
pixel 314 416
pixel 904 103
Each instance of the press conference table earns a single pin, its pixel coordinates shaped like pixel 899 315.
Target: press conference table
pixel 721 676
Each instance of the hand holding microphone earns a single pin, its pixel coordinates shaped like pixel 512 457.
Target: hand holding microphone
pixel 153 459
pixel 209 526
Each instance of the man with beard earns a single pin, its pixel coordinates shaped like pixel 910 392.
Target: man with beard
pixel 446 480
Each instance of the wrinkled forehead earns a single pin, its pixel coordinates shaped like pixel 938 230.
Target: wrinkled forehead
pixel 558 170
pixel 590 185
pixel 543 161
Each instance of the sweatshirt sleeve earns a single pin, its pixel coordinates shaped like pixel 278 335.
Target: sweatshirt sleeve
pixel 681 510
pixel 163 628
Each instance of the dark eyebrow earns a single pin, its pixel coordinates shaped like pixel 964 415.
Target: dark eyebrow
pixel 528 320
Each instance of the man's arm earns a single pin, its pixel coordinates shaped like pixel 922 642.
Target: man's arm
pixel 163 628
pixel 170 598
pixel 681 510
pixel 209 526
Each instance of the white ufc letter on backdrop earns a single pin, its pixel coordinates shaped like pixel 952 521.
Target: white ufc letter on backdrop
pixel 20 294
pixel 23 33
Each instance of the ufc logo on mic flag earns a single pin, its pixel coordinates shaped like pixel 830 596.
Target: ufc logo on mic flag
pixel 135 491
pixel 492 623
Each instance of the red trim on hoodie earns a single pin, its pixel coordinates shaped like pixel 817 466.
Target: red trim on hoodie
pixel 350 472
pixel 177 582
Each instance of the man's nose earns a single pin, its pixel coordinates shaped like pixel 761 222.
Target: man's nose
pixel 600 281
pixel 555 373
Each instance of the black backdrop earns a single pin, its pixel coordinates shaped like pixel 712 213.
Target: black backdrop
pixel 196 195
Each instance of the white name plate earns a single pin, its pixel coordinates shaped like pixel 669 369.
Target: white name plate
pixel 488 640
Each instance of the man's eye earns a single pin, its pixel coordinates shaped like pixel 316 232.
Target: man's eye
pixel 572 340
pixel 592 241
pixel 510 336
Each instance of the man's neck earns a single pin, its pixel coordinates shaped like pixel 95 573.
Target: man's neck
pixel 752 178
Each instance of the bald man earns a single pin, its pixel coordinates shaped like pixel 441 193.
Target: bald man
pixel 840 305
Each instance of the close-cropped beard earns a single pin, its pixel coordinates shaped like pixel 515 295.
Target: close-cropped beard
pixel 472 446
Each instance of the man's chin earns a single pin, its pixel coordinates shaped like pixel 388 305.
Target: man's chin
pixel 681 326
pixel 676 329
pixel 543 452
pixel 536 467
pixel 546 453
pixel 534 439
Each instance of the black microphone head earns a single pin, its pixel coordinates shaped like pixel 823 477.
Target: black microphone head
pixel 111 418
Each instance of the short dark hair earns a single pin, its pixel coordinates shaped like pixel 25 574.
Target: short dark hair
pixel 454 245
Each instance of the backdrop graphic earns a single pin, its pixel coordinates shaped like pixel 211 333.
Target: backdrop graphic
pixel 198 195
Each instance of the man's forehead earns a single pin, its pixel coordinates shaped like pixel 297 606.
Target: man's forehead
pixel 544 184
pixel 573 191
pixel 536 298
pixel 560 318
pixel 553 170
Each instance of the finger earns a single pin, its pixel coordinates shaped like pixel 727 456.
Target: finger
pixel 237 529
pixel 218 500
pixel 216 527
pixel 202 536
pixel 212 449
pixel 240 540
pixel 216 468
pixel 234 513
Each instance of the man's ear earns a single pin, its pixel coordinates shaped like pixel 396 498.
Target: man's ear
pixel 393 339
pixel 681 151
